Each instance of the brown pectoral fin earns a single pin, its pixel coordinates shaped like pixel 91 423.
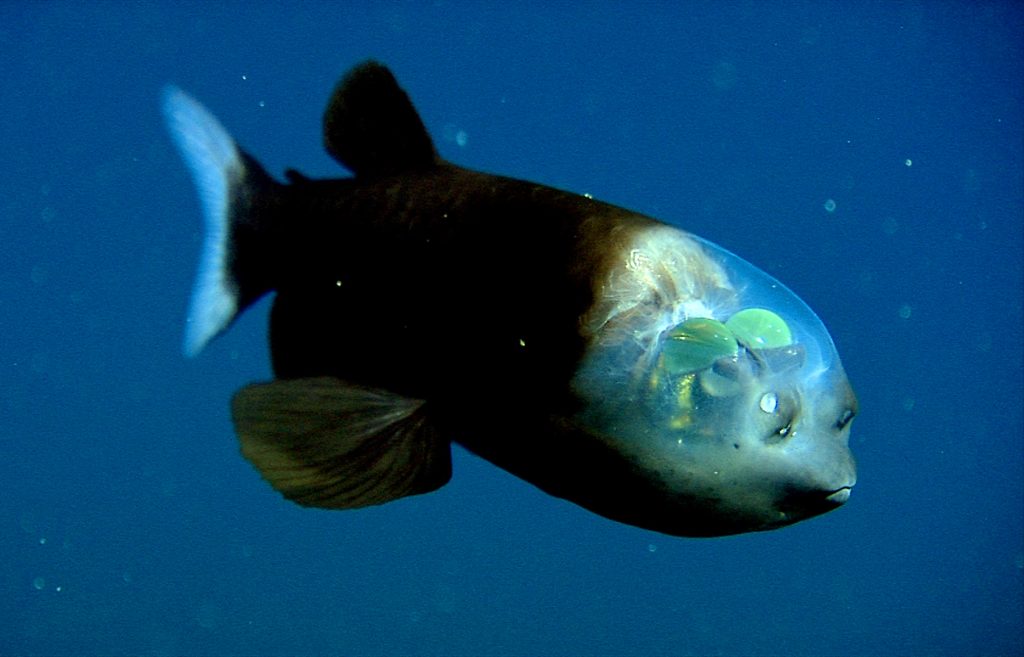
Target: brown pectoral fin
pixel 325 443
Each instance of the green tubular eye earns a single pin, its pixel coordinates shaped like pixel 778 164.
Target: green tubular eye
pixel 760 329
pixel 696 344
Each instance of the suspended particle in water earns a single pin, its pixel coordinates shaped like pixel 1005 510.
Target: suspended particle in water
pixel 40 274
pixel 908 162
pixel 905 311
pixel 810 36
pixel 208 615
pixel 39 583
pixel 830 206
pixel 453 133
pixel 984 341
pixel 724 76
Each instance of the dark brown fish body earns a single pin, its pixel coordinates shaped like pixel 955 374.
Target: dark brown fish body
pixel 458 256
pixel 420 303
pixel 490 335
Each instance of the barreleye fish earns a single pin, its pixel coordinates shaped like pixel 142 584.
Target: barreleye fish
pixel 606 357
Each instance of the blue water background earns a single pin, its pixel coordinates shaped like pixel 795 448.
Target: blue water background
pixel 129 524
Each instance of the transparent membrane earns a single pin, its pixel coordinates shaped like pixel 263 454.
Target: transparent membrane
pixel 690 343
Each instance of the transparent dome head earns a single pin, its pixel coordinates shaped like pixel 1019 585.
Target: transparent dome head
pixel 711 373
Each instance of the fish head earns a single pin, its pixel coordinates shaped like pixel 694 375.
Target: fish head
pixel 720 386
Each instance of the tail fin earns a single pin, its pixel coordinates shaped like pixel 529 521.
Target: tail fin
pixel 231 186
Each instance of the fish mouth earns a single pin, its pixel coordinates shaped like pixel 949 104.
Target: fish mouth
pixel 808 503
pixel 839 495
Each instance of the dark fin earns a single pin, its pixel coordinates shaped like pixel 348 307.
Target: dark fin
pixel 322 442
pixel 238 199
pixel 372 128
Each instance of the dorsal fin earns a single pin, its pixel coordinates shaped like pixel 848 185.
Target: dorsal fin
pixel 372 128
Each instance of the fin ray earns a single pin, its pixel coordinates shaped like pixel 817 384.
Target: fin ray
pixel 324 443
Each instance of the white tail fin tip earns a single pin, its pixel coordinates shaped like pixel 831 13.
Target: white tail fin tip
pixel 213 159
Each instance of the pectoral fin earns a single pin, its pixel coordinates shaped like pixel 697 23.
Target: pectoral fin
pixel 325 443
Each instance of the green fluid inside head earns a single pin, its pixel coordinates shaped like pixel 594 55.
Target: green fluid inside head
pixel 696 344
pixel 760 329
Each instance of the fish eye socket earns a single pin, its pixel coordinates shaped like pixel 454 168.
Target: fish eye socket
pixel 845 418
